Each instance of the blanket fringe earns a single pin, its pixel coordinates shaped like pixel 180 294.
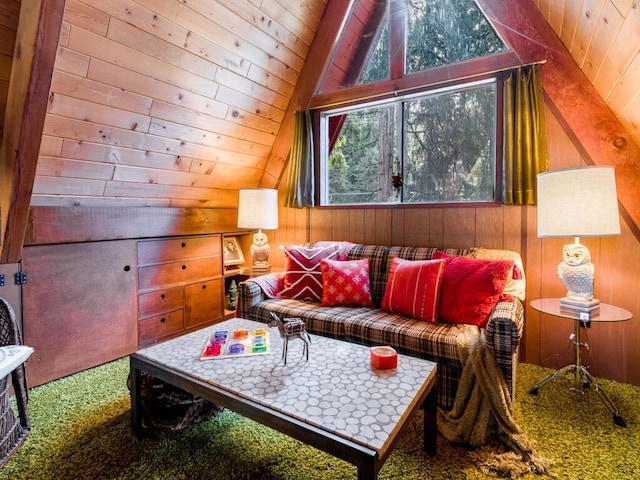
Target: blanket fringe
pixel 483 411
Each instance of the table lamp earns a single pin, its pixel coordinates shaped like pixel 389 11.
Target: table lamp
pixel 258 208
pixel 578 202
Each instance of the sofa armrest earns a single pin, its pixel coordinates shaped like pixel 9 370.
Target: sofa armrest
pixel 251 292
pixel 504 329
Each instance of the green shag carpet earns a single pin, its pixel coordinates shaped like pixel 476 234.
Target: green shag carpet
pixel 81 430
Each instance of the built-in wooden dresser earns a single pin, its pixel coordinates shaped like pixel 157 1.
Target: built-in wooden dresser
pixel 180 286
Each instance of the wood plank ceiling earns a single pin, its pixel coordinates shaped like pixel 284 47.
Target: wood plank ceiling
pixel 169 103
pixel 179 104
pixel 603 37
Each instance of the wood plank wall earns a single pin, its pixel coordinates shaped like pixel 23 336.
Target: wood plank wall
pixel 603 37
pixel 169 104
pixel 612 353
pixel 9 14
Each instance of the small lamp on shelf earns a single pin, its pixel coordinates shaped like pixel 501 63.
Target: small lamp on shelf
pixel 258 208
pixel 578 202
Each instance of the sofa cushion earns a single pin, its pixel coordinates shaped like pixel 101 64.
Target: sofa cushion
pixel 407 335
pixel 302 275
pixel 12 356
pixel 381 256
pixel 328 321
pixel 516 285
pixel 471 288
pixel 345 283
pixel 413 288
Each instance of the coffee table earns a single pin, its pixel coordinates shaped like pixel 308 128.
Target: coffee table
pixel 335 401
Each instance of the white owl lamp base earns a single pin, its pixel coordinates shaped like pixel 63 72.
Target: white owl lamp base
pixel 260 253
pixel 576 272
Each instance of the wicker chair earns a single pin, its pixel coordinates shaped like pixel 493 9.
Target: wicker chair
pixel 12 432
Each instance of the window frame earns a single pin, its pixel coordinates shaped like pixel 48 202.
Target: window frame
pixel 321 137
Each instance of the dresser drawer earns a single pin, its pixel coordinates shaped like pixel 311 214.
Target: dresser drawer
pixel 155 276
pixel 160 301
pixel 175 249
pixel 203 302
pixel 160 325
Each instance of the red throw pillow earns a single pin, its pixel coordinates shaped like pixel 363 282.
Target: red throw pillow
pixel 302 274
pixel 346 283
pixel 413 288
pixel 471 288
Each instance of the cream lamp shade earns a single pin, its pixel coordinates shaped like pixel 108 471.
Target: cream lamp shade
pixel 578 202
pixel 258 209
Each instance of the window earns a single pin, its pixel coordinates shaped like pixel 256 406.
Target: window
pixel 456 31
pixel 435 144
pixel 387 39
pixel 433 147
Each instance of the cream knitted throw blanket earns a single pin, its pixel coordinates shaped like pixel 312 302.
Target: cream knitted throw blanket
pixel 483 410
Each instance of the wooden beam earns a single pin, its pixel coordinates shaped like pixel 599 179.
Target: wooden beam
pixel 33 59
pixel 49 225
pixel 595 130
pixel 314 65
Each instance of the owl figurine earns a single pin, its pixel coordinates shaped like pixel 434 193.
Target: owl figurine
pixel 260 251
pixel 576 272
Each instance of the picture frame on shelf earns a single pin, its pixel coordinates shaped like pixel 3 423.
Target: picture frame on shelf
pixel 232 253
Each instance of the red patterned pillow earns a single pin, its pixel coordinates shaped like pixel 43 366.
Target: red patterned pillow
pixel 413 288
pixel 302 274
pixel 346 283
pixel 471 288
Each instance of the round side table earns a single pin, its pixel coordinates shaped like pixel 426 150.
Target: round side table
pixel 605 313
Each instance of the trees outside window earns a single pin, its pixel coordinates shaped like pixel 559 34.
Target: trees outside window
pixel 434 148
pixel 429 144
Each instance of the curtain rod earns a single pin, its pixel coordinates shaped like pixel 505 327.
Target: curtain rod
pixel 395 93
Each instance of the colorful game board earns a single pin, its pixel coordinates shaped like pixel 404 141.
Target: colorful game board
pixel 236 343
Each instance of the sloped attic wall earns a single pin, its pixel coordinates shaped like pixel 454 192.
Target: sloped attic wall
pixel 603 37
pixel 172 104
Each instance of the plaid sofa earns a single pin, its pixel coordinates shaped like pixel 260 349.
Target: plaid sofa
pixel 372 326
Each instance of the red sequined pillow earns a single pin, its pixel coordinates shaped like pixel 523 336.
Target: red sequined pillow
pixel 302 274
pixel 413 288
pixel 346 283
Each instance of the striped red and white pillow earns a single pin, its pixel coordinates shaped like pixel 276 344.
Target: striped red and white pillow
pixel 413 288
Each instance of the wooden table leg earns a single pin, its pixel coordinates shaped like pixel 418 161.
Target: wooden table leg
pixel 430 409
pixel 367 472
pixel 136 399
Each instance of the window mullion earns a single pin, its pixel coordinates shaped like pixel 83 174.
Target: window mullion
pixel 401 146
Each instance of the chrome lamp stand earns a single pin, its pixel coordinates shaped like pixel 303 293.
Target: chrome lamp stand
pixel 582 376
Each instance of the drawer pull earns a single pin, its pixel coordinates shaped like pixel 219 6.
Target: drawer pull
pixel 184 267
pixel 162 296
pixel 204 287
pixel 162 320
pixel 183 244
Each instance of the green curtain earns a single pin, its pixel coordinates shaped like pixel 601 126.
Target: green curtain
pixel 525 135
pixel 300 184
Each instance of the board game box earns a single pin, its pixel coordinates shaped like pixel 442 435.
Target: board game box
pixel 236 343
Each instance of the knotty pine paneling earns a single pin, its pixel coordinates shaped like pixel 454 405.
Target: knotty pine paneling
pixel 148 89
pixel 116 97
pixel 603 37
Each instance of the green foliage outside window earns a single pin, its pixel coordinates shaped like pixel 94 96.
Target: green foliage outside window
pixel 448 150
pixel 439 147
pixel 443 32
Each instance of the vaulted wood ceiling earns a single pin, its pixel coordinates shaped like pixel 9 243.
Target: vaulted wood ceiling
pixel 603 37
pixel 181 103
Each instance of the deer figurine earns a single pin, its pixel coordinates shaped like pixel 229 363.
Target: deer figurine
pixel 291 327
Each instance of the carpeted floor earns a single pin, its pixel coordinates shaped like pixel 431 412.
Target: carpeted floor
pixel 81 430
